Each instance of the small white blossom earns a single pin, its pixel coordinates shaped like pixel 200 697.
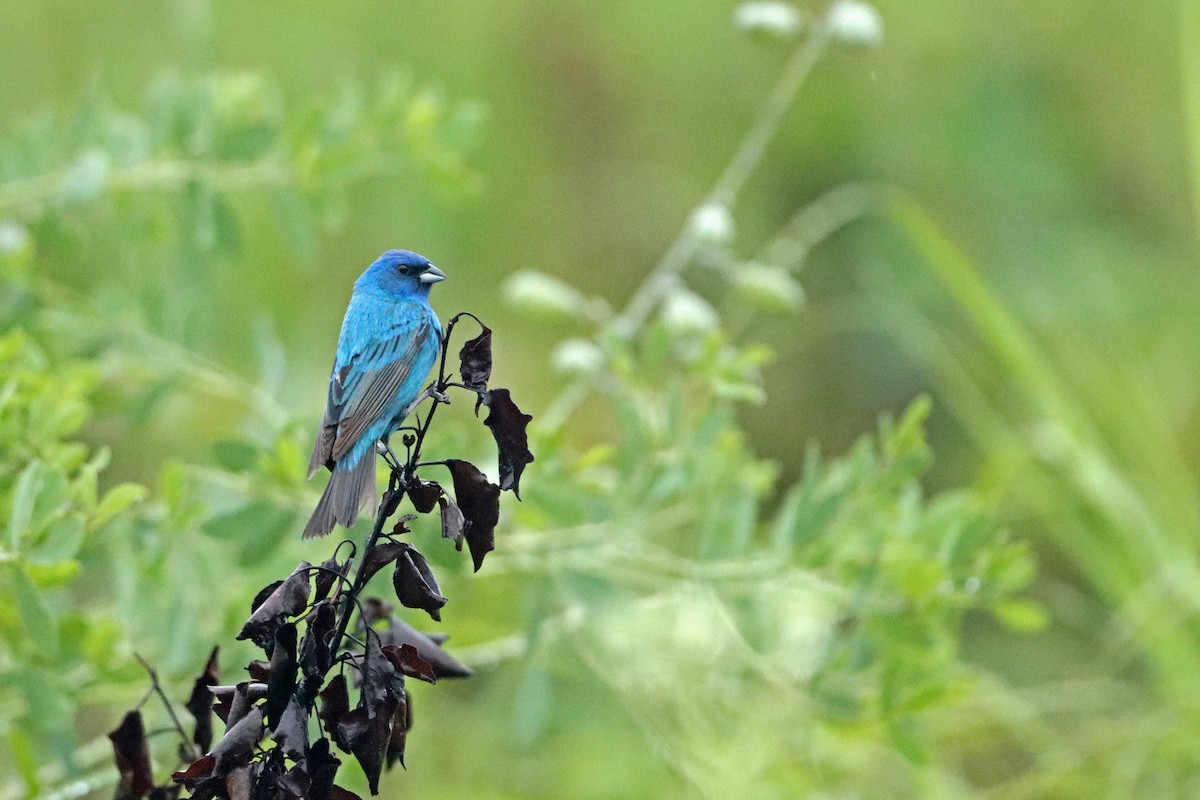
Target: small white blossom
pixel 855 22
pixel 86 177
pixel 14 237
pixel 577 357
pixel 768 287
pixel 712 224
pixel 539 293
pixel 768 19
pixel 686 313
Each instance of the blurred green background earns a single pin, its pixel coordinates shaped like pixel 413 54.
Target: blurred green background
pixel 1029 261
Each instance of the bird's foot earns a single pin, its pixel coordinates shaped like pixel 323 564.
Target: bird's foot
pixel 426 393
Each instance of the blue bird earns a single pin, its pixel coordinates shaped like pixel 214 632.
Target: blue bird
pixel 389 342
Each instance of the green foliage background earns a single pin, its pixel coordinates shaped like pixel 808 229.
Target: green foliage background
pixel 715 585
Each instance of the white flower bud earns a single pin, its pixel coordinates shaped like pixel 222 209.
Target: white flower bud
pixel 577 357
pixel 855 22
pixel 768 287
pixel 539 293
pixel 767 19
pixel 712 224
pixel 14 237
pixel 686 313
pixel 85 178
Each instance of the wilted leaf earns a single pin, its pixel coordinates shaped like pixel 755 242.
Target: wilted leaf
pixel 200 768
pixel 424 495
pixel 407 660
pixel 377 675
pixel 200 703
pixel 291 732
pixel 479 501
pixel 237 745
pixel 132 757
pixel 315 655
pixel 326 576
pixel 263 594
pixel 335 704
pixel 287 600
pixel 507 424
pixel 428 647
pixel 379 557
pixel 452 520
pixel 376 609
pixel 390 502
pixel 322 769
pixel 294 783
pixel 240 782
pixel 415 585
pixel 234 701
pixel 475 361
pixel 259 670
pixel 401 526
pixel 401 723
pixel 284 668
pixel 368 738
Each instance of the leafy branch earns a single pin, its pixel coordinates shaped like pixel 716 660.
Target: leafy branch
pixel 306 675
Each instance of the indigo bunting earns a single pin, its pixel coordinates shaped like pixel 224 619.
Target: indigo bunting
pixel 389 342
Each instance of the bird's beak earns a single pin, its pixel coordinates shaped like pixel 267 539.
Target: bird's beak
pixel 432 275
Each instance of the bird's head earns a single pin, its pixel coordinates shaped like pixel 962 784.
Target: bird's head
pixel 401 272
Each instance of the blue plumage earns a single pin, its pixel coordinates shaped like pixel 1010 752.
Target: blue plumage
pixel 389 342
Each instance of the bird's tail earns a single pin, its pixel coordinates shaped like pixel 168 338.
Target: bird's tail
pixel 345 495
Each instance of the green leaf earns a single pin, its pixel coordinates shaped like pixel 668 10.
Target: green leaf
pixel 259 526
pixel 288 465
pixel 99 642
pixel 51 498
pixel 235 456
pixel 117 499
pixel 61 542
pixel 39 624
pixel 26 760
pixel 24 497
pixel 241 522
pixel 226 230
pixel 907 737
pixel 534 701
pixel 49 576
pixel 267 537
pixel 1026 616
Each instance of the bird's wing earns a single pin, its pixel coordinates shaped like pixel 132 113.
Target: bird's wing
pixel 369 381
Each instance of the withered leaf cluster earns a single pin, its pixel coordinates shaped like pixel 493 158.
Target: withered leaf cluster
pixel 324 687
pixel 358 695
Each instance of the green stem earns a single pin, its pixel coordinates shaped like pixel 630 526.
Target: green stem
pixel 745 160
pixel 167 175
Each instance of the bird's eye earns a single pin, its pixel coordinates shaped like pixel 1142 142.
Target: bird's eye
pixel 403 270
